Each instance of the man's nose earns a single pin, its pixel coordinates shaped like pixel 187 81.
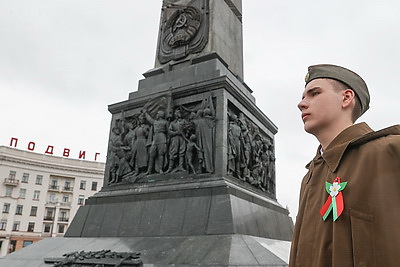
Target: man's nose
pixel 302 105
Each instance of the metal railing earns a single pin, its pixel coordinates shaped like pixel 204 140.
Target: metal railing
pixel 68 188
pixel 63 219
pixel 11 181
pixel 54 187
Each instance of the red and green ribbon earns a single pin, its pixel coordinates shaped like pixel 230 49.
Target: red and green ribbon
pixel 335 202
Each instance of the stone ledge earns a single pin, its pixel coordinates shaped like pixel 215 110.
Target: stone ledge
pixel 215 250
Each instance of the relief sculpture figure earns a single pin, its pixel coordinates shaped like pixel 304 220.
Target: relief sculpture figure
pixel 115 143
pixel 256 168
pixel 266 163
pixel 246 145
pixel 191 149
pixel 235 141
pixel 271 169
pixel 205 132
pixel 177 145
pixel 119 168
pixel 157 141
pixel 140 155
pixel 127 140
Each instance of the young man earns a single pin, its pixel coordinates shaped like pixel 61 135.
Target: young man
pixel 349 209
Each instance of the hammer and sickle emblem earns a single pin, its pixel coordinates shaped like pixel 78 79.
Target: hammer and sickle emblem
pixel 181 21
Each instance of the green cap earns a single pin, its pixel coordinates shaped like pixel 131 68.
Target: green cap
pixel 346 76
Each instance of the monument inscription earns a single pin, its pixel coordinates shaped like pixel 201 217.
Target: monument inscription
pixel 104 258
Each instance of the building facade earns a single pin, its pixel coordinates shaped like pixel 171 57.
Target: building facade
pixel 40 194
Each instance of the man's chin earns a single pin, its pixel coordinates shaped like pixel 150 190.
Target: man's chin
pixel 308 128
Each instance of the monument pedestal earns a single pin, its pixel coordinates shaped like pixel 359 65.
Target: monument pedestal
pixel 187 206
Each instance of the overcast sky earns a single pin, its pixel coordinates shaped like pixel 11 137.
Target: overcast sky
pixel 63 62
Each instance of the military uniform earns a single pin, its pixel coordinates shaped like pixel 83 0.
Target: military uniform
pixel 367 233
pixel 349 207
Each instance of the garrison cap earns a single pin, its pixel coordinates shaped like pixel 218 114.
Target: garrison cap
pixel 346 76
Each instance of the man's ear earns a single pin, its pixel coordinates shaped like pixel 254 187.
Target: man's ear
pixel 348 97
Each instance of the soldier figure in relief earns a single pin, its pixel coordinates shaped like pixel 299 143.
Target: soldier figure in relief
pixel 177 146
pixel 158 141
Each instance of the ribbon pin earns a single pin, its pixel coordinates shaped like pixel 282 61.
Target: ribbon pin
pixel 335 201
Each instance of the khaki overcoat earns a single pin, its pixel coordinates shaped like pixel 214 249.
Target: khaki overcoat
pixel 368 231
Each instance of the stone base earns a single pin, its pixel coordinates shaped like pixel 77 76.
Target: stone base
pixel 213 250
pixel 182 207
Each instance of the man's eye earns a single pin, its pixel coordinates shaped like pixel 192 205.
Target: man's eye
pixel 315 93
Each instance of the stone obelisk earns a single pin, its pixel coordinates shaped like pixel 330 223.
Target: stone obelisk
pixel 190 173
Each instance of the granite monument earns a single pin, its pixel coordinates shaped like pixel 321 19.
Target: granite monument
pixel 190 171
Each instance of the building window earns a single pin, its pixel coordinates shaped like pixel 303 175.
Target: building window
pixel 36 195
pixel 18 210
pixel 67 186
pixel 33 211
pixel 61 228
pixel 9 191
pixel 65 198
pixel 81 199
pixel 82 185
pixel 25 178
pixel 16 226
pixel 52 198
pixel 49 214
pixel 12 175
pixel 39 179
pixel 6 208
pixel 53 184
pixel 22 192
pixel 3 224
pixel 63 216
pixel 27 243
pixel 31 226
pixel 94 186
pixel 47 227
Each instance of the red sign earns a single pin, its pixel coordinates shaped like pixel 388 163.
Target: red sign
pixel 50 149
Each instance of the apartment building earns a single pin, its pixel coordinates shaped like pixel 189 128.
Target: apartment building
pixel 40 194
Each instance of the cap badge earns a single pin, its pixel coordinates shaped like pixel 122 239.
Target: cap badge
pixel 307 77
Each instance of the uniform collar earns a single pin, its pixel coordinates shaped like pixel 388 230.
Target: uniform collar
pixel 335 150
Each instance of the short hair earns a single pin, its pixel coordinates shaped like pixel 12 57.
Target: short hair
pixel 341 86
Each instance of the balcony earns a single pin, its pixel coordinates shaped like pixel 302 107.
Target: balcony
pixel 11 181
pixel 48 218
pixel 51 203
pixel 65 204
pixel 63 219
pixel 54 188
pixel 67 189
